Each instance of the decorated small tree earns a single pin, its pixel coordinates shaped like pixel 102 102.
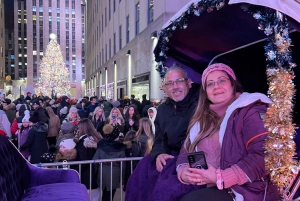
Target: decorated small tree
pixel 54 75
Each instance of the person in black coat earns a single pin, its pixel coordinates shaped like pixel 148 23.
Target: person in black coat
pixel 132 118
pixel 37 135
pixel 98 119
pixel 86 148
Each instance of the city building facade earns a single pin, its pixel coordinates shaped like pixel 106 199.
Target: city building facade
pixel 121 36
pixel 34 21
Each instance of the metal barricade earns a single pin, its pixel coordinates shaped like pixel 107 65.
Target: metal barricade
pixel 67 164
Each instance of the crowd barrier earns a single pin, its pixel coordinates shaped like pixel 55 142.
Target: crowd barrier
pixel 67 164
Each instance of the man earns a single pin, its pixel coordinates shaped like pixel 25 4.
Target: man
pixel 46 102
pixel 145 102
pixel 171 125
pixel 28 96
pixel 92 106
pixel 35 105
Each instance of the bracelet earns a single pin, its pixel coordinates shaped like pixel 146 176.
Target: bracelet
pixel 219 179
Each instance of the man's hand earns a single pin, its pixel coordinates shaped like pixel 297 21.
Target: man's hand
pixel 161 161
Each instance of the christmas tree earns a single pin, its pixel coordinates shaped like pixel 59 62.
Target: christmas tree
pixel 54 75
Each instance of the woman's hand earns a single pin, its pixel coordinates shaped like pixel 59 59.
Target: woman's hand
pixel 131 122
pixel 200 176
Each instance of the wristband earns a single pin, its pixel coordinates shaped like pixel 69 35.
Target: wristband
pixel 219 179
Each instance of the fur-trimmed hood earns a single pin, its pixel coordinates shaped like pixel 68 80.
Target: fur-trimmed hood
pixel 111 146
pixel 40 127
pixel 67 155
pixel 88 142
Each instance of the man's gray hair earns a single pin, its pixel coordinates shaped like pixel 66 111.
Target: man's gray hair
pixel 176 66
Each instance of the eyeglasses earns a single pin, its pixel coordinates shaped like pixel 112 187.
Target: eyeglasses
pixel 179 81
pixel 221 82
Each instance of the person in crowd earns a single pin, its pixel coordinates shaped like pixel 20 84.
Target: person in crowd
pixel 145 136
pixel 144 102
pixel 152 115
pixel 109 148
pixel 17 123
pixel 228 127
pixel 115 119
pixel 28 94
pixel 63 114
pixel 37 136
pixel 54 126
pixel 72 116
pixel 54 107
pixel 132 118
pixel 35 105
pixel 81 108
pixel 124 111
pixel 67 131
pixel 4 123
pixel 171 124
pixel 49 156
pixel 86 148
pixel 98 119
pixel 10 110
pixel 66 151
pixel 63 103
pixel 34 96
pixel 92 106
pixel 23 132
pixel 46 102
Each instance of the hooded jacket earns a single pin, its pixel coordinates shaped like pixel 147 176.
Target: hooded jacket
pixel 10 111
pixel 108 149
pixel 172 121
pixel 242 136
pixel 36 142
pixel 86 149
pixel 153 118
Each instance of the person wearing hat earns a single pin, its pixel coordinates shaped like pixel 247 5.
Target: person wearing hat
pixel 4 123
pixel 23 132
pixel 37 136
pixel 46 102
pixel 72 116
pixel 28 96
pixel 67 150
pixel 35 104
pixel 63 114
pixel 108 148
pixel 10 110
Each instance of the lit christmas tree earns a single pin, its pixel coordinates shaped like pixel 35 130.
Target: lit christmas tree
pixel 54 75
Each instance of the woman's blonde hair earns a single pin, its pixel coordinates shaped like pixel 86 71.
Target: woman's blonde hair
pixel 96 110
pixel 209 121
pixel 120 116
pixel 145 127
pixel 85 126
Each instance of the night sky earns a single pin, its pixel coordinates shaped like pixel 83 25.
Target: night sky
pixel 9 13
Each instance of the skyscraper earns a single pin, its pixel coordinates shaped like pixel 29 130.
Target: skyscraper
pixel 35 20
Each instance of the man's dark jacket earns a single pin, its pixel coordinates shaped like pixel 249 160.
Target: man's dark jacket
pixel 172 121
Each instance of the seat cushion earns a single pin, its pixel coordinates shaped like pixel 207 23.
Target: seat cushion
pixel 57 191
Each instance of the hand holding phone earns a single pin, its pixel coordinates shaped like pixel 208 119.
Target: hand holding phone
pixel 197 160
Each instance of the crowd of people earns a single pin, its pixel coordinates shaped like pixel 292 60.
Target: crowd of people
pixel 50 130
pixel 216 119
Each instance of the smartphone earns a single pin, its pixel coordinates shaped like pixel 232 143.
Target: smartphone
pixel 197 160
pixel 113 117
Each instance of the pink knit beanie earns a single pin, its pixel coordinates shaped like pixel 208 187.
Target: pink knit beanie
pixel 215 67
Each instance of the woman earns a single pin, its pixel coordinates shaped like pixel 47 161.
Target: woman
pixel 72 116
pixel 86 149
pixel 145 136
pixel 131 119
pixel 37 135
pixel 228 127
pixel 98 119
pixel 115 119
pixel 54 126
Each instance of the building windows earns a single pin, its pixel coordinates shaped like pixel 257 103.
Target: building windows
pixel 109 10
pixel 102 23
pixel 127 29
pixel 105 52
pixel 120 37
pixel 73 5
pixel 67 3
pixel 109 48
pixel 50 3
pixel 150 11
pixel 114 5
pixel 58 3
pixel 105 13
pixel 137 18
pixel 115 48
